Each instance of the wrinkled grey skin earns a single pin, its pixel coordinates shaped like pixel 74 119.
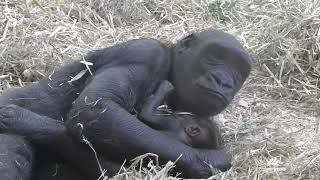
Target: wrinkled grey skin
pixel 123 75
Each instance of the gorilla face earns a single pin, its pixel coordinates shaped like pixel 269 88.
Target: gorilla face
pixel 208 70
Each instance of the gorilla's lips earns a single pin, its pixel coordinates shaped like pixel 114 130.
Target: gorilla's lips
pixel 209 85
pixel 216 95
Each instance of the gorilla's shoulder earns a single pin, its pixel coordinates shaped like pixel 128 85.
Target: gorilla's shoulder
pixel 147 43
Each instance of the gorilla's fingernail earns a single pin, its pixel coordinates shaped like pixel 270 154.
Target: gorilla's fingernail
pixel 80 125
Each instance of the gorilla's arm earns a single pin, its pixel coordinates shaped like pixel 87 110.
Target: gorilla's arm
pixel 37 128
pixel 114 124
pixel 148 113
pixel 52 97
pixel 52 133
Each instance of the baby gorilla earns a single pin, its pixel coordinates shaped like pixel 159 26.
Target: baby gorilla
pixel 188 128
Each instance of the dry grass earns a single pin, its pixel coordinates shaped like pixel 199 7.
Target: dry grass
pixel 272 127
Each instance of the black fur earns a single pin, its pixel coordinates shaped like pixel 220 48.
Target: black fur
pixel 207 69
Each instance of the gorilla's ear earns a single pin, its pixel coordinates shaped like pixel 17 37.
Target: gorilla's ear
pixel 187 41
pixel 193 130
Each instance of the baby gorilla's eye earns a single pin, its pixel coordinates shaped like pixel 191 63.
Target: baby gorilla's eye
pixel 193 130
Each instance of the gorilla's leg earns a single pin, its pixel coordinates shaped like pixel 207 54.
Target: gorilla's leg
pixel 51 166
pixel 16 158
pixel 50 133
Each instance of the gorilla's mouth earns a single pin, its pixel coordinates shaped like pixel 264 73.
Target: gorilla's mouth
pixel 216 94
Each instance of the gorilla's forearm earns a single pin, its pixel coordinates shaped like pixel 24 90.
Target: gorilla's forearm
pixel 116 124
pixel 149 113
pixel 37 128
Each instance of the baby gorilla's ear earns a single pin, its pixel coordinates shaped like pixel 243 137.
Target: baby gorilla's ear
pixel 192 130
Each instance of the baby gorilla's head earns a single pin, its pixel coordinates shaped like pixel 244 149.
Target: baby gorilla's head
pixel 193 131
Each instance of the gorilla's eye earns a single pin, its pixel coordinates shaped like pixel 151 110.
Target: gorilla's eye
pixel 210 62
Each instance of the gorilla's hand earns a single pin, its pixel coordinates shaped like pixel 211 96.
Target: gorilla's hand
pixel 216 158
pixel 17 120
pixel 201 162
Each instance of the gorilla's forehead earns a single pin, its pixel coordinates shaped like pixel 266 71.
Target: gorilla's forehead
pixel 217 37
pixel 214 43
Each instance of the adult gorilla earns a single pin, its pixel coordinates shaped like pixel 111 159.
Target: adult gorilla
pixel 208 68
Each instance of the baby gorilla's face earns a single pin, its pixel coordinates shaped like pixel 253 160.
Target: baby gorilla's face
pixel 193 131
